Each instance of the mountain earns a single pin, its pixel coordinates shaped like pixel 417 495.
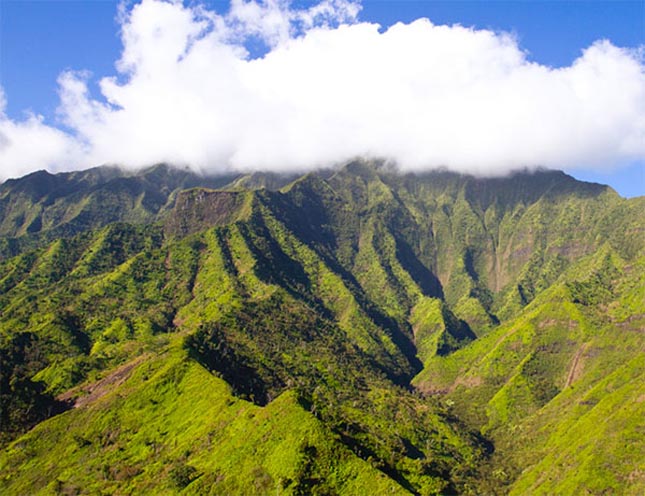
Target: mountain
pixel 42 207
pixel 342 332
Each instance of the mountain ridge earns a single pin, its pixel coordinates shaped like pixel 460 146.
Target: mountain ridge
pixel 416 319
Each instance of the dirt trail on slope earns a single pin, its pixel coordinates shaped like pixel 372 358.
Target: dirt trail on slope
pixel 89 393
pixel 576 366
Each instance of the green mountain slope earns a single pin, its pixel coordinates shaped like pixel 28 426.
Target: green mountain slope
pixel 163 423
pixel 354 330
pixel 560 388
pixel 42 207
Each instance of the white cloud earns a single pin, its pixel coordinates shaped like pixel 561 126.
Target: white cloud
pixel 29 145
pixel 329 89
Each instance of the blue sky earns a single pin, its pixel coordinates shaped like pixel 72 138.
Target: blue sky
pixel 41 39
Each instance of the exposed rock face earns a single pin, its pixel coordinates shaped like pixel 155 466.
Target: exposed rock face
pixel 198 209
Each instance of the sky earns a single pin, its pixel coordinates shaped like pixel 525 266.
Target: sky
pixel 474 86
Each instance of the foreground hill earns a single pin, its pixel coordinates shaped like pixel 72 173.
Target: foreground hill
pixel 342 332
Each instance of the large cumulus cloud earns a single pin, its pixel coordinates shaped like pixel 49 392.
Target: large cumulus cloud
pixel 328 88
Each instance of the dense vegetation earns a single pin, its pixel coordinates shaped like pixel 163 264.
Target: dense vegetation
pixel 346 332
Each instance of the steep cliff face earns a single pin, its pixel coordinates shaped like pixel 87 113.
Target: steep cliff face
pixel 347 331
pixel 198 209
